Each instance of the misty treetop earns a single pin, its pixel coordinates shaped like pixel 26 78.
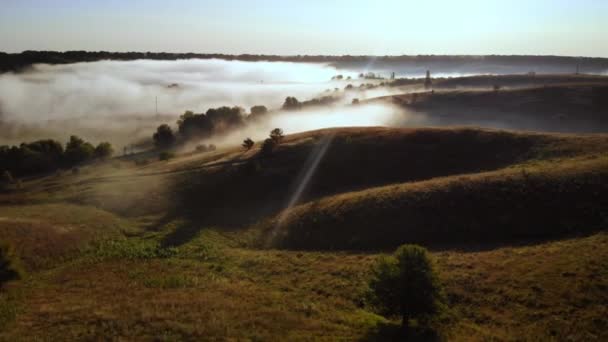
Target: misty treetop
pixel 215 120
pixel 48 155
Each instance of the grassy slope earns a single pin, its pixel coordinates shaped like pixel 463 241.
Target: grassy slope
pixel 558 108
pixel 210 290
pixel 210 286
pixel 543 200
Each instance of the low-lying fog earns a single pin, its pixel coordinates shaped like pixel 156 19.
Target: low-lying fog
pixel 124 101
pixel 120 99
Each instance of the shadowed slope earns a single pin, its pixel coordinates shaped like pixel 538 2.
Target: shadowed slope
pixel 538 202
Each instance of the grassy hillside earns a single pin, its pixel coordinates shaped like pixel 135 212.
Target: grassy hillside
pixel 557 108
pixel 178 250
pixel 535 201
pixel 354 159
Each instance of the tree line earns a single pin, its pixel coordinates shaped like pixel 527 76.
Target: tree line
pixel 48 155
pixel 19 61
pixel 220 120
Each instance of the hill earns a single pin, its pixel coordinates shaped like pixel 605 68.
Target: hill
pixel 179 249
pixel 575 108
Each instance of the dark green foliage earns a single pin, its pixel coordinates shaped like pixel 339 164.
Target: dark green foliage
pixel 77 151
pixel 248 144
pixel 166 155
pixel 9 270
pixel 406 285
pixel 104 150
pixel 215 120
pixel 45 156
pixel 225 118
pixel 164 137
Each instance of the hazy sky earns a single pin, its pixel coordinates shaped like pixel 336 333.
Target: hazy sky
pixel 558 27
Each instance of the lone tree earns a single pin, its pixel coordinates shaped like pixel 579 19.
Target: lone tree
pixel 8 267
pixel 406 284
pixel 277 135
pixel 164 136
pixel 248 144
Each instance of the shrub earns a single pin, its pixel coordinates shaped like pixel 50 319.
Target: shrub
pixel 406 284
pixel 9 270
pixel 166 156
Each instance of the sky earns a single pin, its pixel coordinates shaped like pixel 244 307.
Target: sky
pixel 291 27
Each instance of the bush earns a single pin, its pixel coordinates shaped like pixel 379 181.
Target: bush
pixel 9 269
pixel 406 284
pixel 104 150
pixel 166 156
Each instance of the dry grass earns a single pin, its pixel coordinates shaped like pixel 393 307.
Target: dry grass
pixel 188 280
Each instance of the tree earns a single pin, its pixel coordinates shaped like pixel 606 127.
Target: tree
pixel 406 284
pixel 248 144
pixel 78 150
pixel 164 136
pixel 104 150
pixel 9 269
pixel 259 110
pixel 291 103
pixel 277 135
pixel 194 125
